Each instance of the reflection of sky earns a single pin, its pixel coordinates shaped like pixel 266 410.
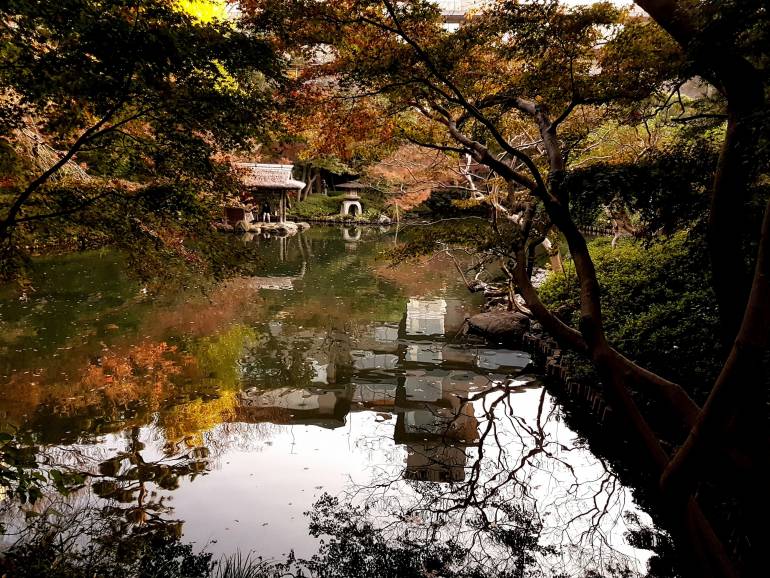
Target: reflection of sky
pixel 263 480
pixel 268 492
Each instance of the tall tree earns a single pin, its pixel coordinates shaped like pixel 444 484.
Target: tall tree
pixel 553 74
pixel 107 82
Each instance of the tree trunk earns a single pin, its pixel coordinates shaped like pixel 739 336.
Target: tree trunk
pixel 741 84
pixel 304 192
pixel 16 207
pixel 617 372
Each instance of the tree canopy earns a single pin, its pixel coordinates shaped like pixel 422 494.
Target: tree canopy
pixel 137 91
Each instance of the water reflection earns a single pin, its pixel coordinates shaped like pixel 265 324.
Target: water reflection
pixel 224 416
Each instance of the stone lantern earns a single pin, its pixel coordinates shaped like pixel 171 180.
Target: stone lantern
pixel 351 202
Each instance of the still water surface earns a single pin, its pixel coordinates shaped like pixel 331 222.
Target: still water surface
pixel 228 413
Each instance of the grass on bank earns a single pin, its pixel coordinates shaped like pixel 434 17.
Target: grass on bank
pixel 321 207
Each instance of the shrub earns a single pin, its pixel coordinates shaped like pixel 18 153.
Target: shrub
pixel 452 203
pixel 658 305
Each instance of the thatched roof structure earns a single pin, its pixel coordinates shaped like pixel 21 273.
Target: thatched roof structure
pixel 268 176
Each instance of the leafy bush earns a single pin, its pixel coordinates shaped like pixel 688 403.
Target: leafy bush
pixel 451 203
pixel 666 190
pixel 12 166
pixel 657 302
pixel 370 214
pixel 141 555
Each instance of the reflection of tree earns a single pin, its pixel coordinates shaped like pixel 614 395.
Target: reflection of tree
pixel 528 497
pixel 84 544
pixel 287 361
pixel 127 479
pixel 120 522
pixel 116 389
pixel 338 285
pixel 271 363
pixel 190 388
pixel 353 546
pixel 191 420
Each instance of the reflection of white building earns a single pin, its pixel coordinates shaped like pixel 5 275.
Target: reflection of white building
pixel 287 405
pixel 423 421
pixel 424 387
pixel 286 398
pixel 436 439
pixel 425 316
pixel 424 353
pixel 432 462
pixel 371 360
pixel 386 333
pixel 376 393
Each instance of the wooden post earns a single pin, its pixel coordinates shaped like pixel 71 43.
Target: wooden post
pixel 309 186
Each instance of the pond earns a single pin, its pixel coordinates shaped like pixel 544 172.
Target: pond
pixel 333 379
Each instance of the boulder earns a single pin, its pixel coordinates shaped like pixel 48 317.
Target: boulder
pixel 225 227
pixel 383 220
pixel 499 326
pixel 285 228
pixel 242 226
pixel 246 227
pixel 303 226
pixel 539 276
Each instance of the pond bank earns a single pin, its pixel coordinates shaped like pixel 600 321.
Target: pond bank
pixel 349 221
pixel 581 396
pixel 518 331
